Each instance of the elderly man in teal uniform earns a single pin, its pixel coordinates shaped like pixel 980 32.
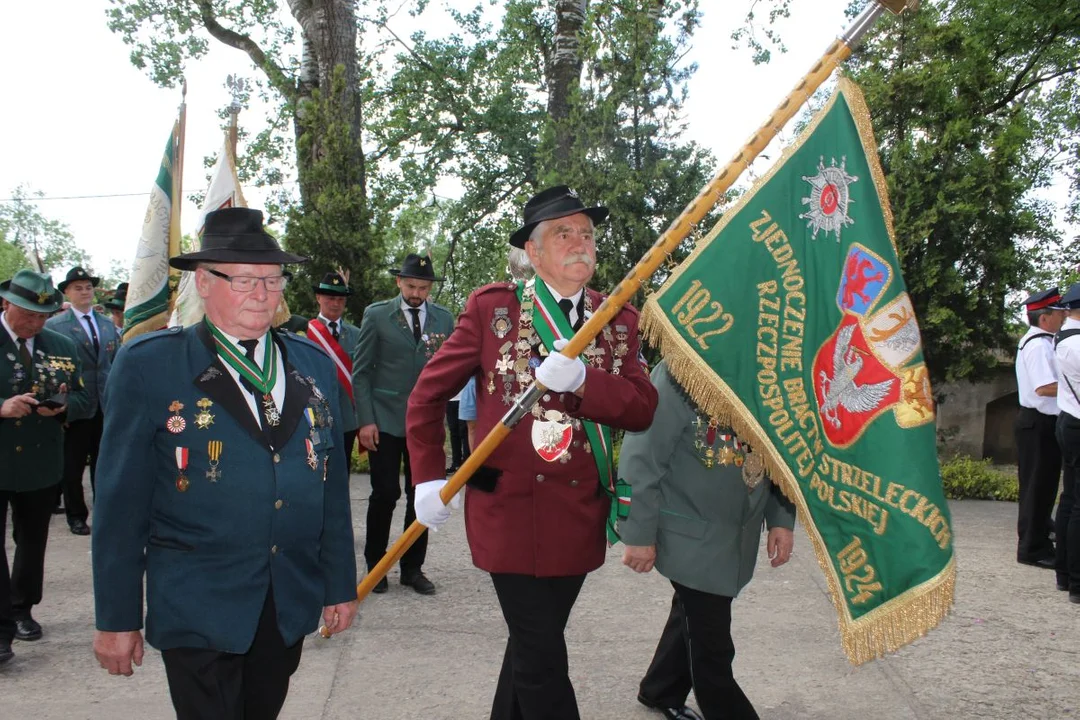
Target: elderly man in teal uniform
pixel 40 383
pixel 222 480
pixel 397 338
pixel 700 495
pixel 97 340
pixel 341 340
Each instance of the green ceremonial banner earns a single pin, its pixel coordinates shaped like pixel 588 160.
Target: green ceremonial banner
pixel 791 323
pixel 152 285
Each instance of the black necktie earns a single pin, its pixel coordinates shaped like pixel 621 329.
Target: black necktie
pixel 333 329
pixel 24 356
pixel 566 306
pixel 415 323
pixel 93 332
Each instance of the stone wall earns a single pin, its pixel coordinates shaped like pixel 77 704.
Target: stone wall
pixel 977 419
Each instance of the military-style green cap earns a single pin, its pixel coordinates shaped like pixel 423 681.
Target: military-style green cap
pixel 32 291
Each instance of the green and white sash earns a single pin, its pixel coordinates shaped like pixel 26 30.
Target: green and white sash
pixel 552 325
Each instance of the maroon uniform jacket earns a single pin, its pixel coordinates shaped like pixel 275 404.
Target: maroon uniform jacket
pixel 543 518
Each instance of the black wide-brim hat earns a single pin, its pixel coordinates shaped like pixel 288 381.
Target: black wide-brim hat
pixel 555 202
pixel 236 235
pixel 32 291
pixel 418 267
pixel 74 274
pixel 118 299
pixel 332 284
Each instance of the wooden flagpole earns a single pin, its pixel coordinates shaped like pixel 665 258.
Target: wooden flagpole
pixel 695 212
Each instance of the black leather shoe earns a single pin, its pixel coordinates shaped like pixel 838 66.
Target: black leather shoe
pixel 677 713
pixel 419 582
pixel 79 527
pixel 27 629
pixel 1063 585
pixel 5 650
pixel 1074 598
pixel 381 586
pixel 1047 563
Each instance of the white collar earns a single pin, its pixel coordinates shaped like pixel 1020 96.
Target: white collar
pixel 575 298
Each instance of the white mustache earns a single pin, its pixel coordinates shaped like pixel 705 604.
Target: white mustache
pixel 579 257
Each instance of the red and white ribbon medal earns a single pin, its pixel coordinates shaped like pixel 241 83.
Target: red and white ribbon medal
pixel 181 465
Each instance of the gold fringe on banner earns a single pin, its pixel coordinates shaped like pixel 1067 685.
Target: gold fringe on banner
pixel 900 620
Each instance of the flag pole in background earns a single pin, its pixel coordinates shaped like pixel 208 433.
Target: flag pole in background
pixel 153 284
pixel 838 51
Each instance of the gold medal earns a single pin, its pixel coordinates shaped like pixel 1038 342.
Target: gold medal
pixel 753 470
pixel 182 483
pixel 204 418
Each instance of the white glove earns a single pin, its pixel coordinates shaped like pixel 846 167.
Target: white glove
pixel 429 507
pixel 559 373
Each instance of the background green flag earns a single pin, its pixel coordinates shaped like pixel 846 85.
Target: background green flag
pixel 153 284
pixel 790 322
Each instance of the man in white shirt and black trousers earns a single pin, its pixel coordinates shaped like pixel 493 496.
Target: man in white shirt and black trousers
pixel 1067 522
pixel 1038 456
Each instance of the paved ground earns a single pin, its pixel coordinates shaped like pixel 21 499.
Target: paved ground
pixel 1011 648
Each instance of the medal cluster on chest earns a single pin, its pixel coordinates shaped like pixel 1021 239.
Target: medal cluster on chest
pixel 44 376
pixel 718 446
pixel 191 426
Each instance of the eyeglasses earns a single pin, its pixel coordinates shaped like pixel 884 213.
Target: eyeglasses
pixel 247 283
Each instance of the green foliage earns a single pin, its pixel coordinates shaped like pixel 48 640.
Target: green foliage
pixel 25 227
pixel 964 478
pixel 359 462
pixel 12 260
pixel 974 104
pixel 333 226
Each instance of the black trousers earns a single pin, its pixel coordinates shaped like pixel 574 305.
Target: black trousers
pixel 350 443
pixel 385 491
pixel 20 589
pixel 1039 471
pixel 82 438
pixel 1067 522
pixel 696 650
pixel 534 683
pixel 459 435
pixel 211 685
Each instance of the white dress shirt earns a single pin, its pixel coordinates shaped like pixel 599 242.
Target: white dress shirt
pixel 82 318
pixel 1036 367
pixel 1068 360
pixel 575 299
pixel 405 308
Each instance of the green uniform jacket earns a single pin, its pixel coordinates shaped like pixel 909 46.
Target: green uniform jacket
pixel 389 361
pixel 32 447
pixel 704 522
pixel 95 365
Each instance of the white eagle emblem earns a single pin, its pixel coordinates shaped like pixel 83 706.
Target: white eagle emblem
pixel 841 390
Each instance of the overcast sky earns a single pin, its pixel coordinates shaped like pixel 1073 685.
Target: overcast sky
pixel 79 120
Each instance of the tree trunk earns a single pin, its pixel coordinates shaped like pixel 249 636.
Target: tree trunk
pixel 329 35
pixel 563 71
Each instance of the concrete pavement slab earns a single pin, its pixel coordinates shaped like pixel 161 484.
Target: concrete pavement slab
pixel 1010 649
